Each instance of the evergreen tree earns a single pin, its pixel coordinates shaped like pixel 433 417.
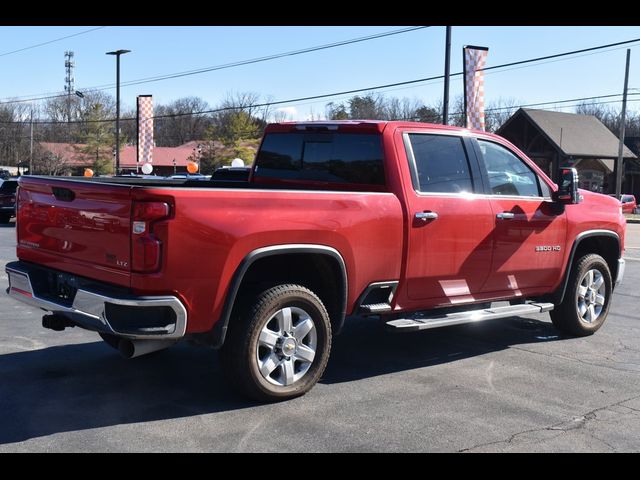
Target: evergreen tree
pixel 99 140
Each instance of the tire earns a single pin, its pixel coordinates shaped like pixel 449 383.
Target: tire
pixel 586 301
pixel 110 340
pixel 263 356
pixel 4 218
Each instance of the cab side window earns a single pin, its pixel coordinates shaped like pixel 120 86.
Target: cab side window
pixel 441 164
pixel 507 174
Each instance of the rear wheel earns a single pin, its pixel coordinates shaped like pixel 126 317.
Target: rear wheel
pixel 586 302
pixel 278 347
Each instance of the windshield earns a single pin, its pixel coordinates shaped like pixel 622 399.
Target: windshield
pixel 627 198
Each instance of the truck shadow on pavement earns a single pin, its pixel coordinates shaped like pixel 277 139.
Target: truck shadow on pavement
pixel 88 385
pixel 364 350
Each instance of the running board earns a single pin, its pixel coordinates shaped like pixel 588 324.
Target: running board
pixel 471 316
pixel 375 308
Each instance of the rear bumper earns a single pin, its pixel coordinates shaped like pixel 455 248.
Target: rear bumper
pixel 99 309
pixel 620 274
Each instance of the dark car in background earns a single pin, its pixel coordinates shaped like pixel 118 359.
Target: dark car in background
pixel 232 174
pixel 8 200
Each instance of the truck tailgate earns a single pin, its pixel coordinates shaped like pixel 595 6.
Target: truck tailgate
pixel 76 226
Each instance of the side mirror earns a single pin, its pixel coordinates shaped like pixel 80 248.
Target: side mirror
pixel 567 192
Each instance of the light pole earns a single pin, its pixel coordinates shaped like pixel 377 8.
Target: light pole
pixel 117 53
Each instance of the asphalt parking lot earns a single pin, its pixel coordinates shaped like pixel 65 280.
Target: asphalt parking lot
pixel 508 385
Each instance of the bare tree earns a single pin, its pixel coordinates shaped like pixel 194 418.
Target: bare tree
pixel 179 121
pixel 499 111
pixel 14 133
pixel 280 116
pixel 240 117
pixel 69 115
pixel 48 163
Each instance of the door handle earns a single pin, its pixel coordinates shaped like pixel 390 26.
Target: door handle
pixel 505 216
pixel 424 216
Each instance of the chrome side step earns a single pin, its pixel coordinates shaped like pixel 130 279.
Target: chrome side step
pixel 375 308
pixel 471 316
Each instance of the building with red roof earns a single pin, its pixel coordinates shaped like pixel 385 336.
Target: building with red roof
pixel 166 160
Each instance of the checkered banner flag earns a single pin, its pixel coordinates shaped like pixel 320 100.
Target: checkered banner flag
pixel 145 129
pixel 475 58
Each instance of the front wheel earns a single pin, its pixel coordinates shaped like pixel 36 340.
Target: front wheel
pixel 586 301
pixel 279 346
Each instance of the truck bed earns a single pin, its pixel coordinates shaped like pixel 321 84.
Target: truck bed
pixel 208 233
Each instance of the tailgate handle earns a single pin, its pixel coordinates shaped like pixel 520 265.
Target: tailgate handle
pixel 63 194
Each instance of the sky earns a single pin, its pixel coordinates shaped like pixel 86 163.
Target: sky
pixel 163 50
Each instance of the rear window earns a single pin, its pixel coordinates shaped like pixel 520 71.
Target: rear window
pixel 322 157
pixel 9 186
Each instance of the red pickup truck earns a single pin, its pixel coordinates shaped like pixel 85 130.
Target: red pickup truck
pixel 415 225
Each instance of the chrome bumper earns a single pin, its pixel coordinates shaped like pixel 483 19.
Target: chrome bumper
pixel 620 275
pixel 89 308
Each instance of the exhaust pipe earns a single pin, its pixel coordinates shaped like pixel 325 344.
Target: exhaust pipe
pixel 135 348
pixel 54 321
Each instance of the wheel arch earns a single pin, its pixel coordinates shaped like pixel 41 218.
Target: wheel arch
pixel 605 243
pixel 328 260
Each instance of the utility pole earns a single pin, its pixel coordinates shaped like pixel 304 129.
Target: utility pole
pixel 623 119
pixel 31 142
pixel 447 64
pixel 117 54
pixel 69 63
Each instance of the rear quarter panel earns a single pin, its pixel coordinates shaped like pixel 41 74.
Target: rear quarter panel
pixel 213 230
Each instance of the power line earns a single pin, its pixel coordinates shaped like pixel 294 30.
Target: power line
pixel 408 82
pixel 378 87
pixel 361 39
pixel 547 57
pixel 583 99
pixel 268 57
pixel 233 64
pixel 26 100
pixel 290 101
pixel 50 41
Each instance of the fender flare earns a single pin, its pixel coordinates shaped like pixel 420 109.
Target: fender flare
pixel 220 329
pixel 579 238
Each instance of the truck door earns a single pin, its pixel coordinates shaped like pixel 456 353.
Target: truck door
pixel 450 226
pixel 530 232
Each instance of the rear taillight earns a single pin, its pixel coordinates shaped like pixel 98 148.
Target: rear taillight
pixel 146 249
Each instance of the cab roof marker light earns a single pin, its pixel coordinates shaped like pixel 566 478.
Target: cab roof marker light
pixel 317 126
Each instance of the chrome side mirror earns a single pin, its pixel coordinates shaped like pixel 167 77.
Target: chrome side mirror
pixel 567 192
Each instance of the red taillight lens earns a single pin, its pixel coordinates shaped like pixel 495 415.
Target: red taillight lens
pixel 146 249
pixel 145 254
pixel 150 211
